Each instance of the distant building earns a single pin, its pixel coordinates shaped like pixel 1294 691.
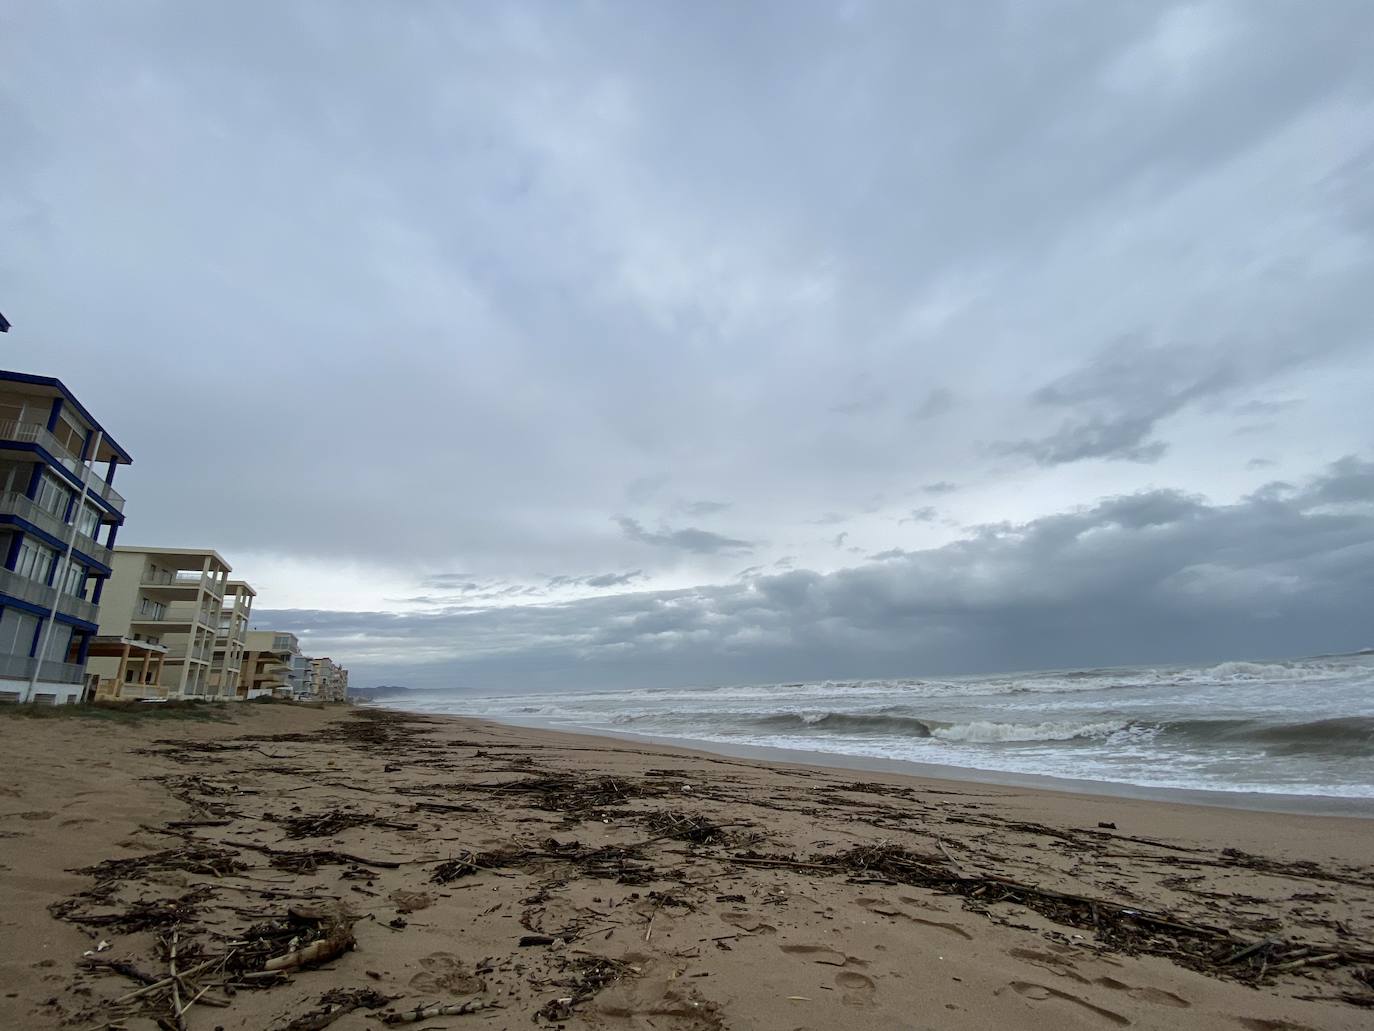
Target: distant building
pixel 171 598
pixel 331 680
pixel 302 677
pixel 54 509
pixel 268 664
pixel 231 640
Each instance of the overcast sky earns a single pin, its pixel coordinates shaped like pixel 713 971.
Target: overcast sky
pixel 512 345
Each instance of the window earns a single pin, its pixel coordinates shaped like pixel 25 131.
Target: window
pixel 88 521
pixel 74 581
pixel 53 497
pixel 70 436
pixel 14 476
pixel 16 632
pixel 35 560
pixel 59 643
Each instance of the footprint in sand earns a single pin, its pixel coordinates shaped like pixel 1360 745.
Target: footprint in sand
pixel 1048 961
pixel 817 954
pixel 859 989
pixel 444 973
pixel 1040 993
pixel 1156 995
pixel 884 909
pixel 1260 1024
pixel 751 922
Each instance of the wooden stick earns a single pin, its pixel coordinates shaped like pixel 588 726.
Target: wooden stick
pixel 456 1009
pixel 178 1011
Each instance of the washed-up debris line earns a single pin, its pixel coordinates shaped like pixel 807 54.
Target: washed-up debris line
pixel 335 821
pixel 622 864
pixel 1209 949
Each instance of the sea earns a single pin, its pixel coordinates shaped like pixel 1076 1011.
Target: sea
pixel 1302 727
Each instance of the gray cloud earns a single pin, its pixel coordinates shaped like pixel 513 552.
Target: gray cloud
pixel 1119 398
pixel 705 508
pixel 598 580
pixel 1067 589
pixel 701 542
pixel 924 514
pixel 474 279
pixel 936 403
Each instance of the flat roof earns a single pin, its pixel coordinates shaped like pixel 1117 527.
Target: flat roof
pixel 131 549
pixel 53 383
pixel 241 586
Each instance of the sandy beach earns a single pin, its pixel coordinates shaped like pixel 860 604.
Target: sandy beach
pixel 293 868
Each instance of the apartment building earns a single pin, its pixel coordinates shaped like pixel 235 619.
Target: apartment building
pixel 331 680
pixel 268 664
pixel 231 641
pixel 170 597
pixel 303 677
pixel 56 505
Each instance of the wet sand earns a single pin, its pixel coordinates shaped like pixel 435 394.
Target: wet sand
pixel 534 878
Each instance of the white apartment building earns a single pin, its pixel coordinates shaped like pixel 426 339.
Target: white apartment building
pixel 170 597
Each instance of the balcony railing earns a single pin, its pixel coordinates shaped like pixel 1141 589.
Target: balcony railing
pixel 100 487
pixel 27 509
pixel 185 578
pixel 36 433
pixel 24 589
pixel 78 607
pixel 20 667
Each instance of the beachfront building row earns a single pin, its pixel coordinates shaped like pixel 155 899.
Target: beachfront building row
pixel 82 618
pixel 178 627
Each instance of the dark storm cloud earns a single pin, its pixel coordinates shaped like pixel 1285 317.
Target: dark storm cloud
pixel 1098 583
pixel 701 542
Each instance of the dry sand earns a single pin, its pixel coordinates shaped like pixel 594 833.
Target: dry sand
pixel 651 886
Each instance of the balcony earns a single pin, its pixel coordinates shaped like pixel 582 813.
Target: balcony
pixel 181 582
pixel 78 607
pixel 36 433
pixel 14 503
pixel 20 667
pixel 24 589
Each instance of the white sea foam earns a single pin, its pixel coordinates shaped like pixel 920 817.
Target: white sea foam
pixel 987 732
pixel 1291 727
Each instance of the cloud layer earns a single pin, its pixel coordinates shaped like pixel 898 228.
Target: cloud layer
pixel 598 304
pixel 1125 579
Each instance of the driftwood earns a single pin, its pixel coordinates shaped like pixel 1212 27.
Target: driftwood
pixel 456 1009
pixel 322 950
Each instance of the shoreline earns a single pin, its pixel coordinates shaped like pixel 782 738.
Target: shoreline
pixel 542 878
pixel 1348 807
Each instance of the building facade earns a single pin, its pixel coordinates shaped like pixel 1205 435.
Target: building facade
pixel 231 640
pixel 331 680
pixel 268 664
pixel 59 515
pixel 171 597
